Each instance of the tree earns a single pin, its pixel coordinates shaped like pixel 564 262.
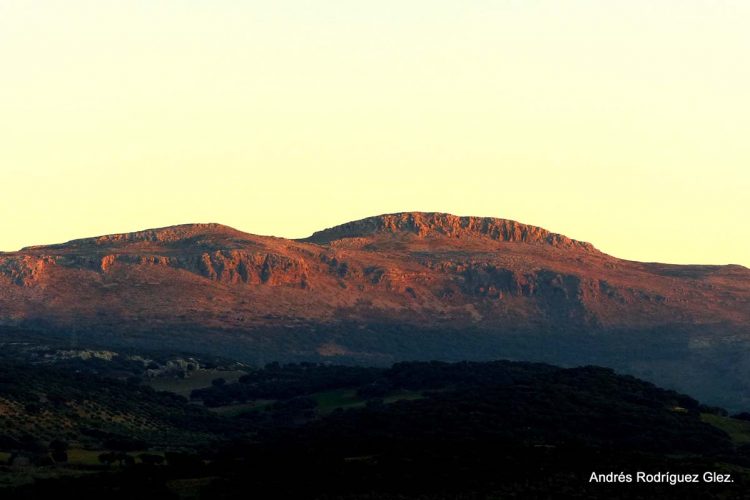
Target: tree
pixel 107 458
pixel 59 451
pixel 151 459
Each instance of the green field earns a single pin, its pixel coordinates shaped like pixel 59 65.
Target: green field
pixel 328 401
pixel 347 398
pixel 402 395
pixel 79 456
pixel 338 398
pixel 197 380
pixel 738 430
pixel 234 410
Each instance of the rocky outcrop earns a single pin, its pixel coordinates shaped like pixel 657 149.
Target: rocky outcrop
pixel 432 225
pixel 399 286
pixel 172 234
pixel 226 266
pixel 417 268
pixel 253 268
pixel 24 270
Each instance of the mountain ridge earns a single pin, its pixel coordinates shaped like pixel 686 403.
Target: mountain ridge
pixel 437 224
pixel 172 233
pixel 391 287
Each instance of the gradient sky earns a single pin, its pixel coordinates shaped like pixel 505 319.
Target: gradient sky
pixel 623 123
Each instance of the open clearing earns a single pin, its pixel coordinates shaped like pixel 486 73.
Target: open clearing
pixel 198 379
pixel 738 430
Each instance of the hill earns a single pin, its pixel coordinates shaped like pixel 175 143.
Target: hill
pixel 414 430
pixel 388 288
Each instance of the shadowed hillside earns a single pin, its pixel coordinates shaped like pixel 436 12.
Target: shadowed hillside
pixel 415 430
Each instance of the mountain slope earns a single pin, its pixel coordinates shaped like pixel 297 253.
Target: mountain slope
pixel 399 286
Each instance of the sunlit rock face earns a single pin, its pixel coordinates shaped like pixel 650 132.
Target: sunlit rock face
pixel 397 286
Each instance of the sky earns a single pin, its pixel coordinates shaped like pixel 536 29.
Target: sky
pixel 622 123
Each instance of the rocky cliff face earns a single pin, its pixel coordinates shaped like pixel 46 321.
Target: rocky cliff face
pixel 213 251
pixel 24 270
pixel 428 263
pixel 436 225
pixel 398 286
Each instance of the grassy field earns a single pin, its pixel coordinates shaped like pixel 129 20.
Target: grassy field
pixel 327 402
pixel 338 398
pixel 234 410
pixel 347 398
pixel 197 380
pixel 78 456
pixel 403 395
pixel 738 430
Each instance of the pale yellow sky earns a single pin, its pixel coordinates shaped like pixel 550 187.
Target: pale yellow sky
pixel 623 123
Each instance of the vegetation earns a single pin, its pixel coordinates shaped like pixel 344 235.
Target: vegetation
pixel 41 405
pixel 424 430
pixel 283 382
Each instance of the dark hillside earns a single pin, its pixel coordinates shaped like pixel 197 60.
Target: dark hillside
pixel 415 430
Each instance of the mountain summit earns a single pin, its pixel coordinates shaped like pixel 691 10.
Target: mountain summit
pixel 171 234
pixel 437 225
pixel 397 286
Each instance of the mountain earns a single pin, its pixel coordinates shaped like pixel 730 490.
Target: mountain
pixel 386 288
